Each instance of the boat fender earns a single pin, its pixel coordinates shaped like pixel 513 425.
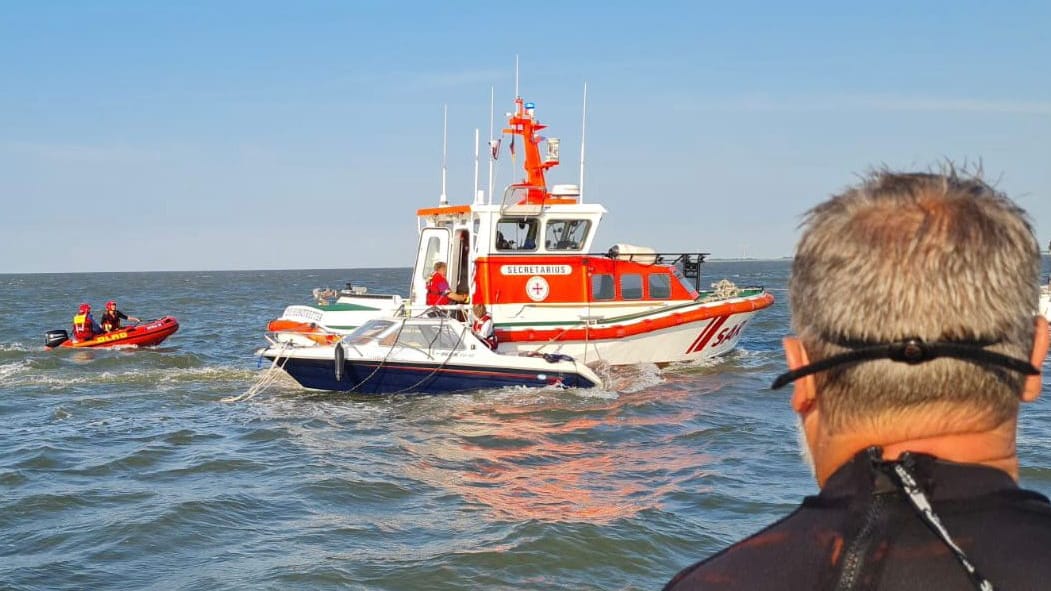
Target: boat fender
pixel 340 355
pixel 54 338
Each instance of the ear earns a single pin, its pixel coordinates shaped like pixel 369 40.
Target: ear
pixel 803 394
pixel 1040 342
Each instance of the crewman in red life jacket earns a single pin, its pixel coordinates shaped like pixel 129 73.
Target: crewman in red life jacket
pixel 112 316
pixel 438 291
pixel 483 326
pixel 84 325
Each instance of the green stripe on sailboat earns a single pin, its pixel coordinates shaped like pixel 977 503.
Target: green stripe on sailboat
pixel 347 308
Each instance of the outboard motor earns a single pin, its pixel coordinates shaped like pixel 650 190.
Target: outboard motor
pixel 54 338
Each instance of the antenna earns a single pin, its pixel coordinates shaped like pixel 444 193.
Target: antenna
pixel 516 76
pixel 583 128
pixel 477 196
pixel 492 97
pixel 442 199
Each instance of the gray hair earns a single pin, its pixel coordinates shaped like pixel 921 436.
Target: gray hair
pixel 933 256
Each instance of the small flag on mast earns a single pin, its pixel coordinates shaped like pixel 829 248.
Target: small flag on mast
pixel 494 148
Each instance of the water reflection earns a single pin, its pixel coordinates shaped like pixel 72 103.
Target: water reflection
pixel 551 461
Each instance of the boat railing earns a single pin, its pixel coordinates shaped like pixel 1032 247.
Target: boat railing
pixel 688 263
pixel 455 311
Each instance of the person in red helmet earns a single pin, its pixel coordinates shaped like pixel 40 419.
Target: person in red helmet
pixel 112 316
pixel 84 325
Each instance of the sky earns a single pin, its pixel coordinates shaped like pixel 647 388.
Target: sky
pixel 209 135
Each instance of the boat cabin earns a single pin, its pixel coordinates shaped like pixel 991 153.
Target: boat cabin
pixel 532 255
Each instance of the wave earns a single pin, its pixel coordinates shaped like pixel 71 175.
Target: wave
pixel 628 379
pixel 15 375
pixel 9 369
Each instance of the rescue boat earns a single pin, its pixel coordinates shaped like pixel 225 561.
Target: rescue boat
pixel 532 259
pixel 144 334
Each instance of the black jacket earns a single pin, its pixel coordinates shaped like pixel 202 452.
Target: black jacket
pixel 862 533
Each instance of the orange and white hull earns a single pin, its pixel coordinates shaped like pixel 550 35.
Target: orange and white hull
pixel 679 333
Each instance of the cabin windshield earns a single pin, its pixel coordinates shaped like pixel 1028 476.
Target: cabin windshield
pixel 431 336
pixel 566 234
pixel 368 332
pixel 517 234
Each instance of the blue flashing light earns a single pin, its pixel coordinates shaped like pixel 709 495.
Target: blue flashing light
pixel 530 105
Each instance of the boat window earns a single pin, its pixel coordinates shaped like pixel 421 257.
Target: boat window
pixel 566 234
pixel 411 336
pixel 433 253
pixel 660 286
pixel 631 286
pixel 602 286
pixel 429 337
pixel 450 338
pixel 685 283
pixel 367 332
pixel 516 234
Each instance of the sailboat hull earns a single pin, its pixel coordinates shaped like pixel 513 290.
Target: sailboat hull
pixel 375 377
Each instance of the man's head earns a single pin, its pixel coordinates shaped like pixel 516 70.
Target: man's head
pixel 439 267
pixel 939 257
pixel 84 309
pixel 111 305
pixel 479 310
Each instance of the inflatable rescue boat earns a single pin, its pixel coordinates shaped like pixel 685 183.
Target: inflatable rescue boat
pixel 144 334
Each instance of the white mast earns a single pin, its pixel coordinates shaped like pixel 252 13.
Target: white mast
pixel 442 199
pixel 492 96
pixel 477 191
pixel 516 76
pixel 583 128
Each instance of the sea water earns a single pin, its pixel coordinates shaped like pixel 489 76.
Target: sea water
pixel 123 469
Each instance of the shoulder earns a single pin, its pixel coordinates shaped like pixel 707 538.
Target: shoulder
pixel 787 555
